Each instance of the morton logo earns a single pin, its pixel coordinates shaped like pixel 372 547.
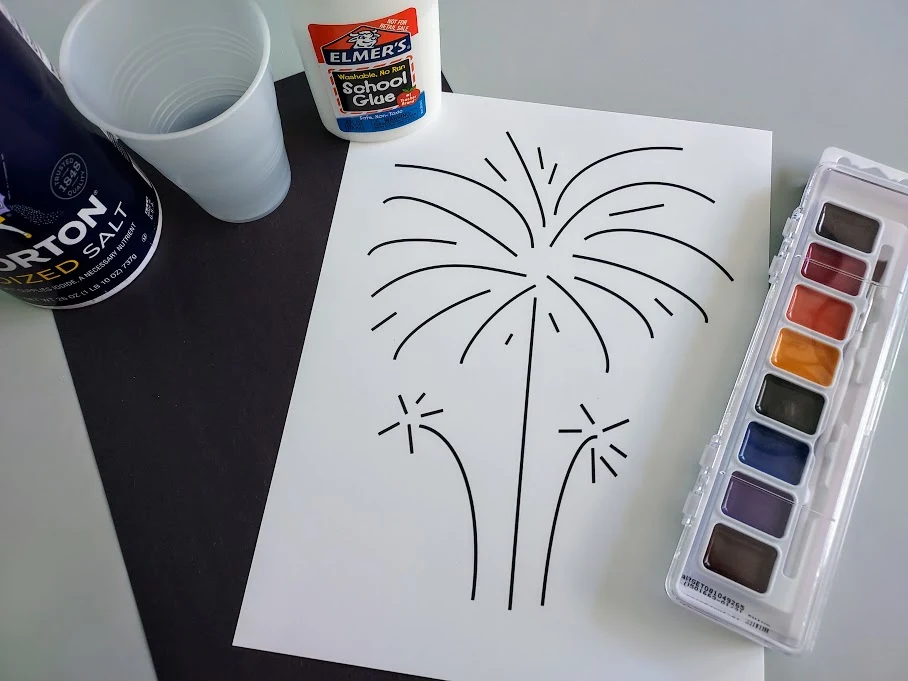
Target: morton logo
pixel 366 44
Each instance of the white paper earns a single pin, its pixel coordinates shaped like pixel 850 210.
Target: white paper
pixel 366 551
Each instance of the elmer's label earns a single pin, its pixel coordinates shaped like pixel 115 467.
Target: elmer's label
pixel 370 69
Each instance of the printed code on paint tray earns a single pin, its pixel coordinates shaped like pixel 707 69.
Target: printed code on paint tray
pixel 711 593
pixel 754 623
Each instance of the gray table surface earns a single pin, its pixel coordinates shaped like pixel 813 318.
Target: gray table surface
pixel 815 73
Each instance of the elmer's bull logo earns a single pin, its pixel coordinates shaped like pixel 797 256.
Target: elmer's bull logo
pixel 366 44
pixel 366 37
pixel 5 212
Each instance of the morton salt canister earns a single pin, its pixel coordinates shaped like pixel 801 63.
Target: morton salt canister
pixel 78 221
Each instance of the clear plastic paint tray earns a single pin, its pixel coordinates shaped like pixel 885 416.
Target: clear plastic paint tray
pixel 765 520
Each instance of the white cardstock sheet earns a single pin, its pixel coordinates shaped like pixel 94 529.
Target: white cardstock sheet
pixel 528 323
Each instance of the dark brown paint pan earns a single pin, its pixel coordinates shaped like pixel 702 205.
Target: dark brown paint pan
pixel 848 228
pixel 740 558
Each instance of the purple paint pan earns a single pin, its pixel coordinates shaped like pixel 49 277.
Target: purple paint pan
pixel 757 504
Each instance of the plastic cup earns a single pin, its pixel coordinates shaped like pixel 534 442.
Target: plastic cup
pixel 186 84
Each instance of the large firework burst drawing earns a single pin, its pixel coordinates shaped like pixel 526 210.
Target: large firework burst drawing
pixel 518 245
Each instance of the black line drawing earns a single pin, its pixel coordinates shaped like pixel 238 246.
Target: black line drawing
pixel 386 319
pixel 588 318
pixel 587 414
pixel 568 302
pixel 662 305
pixel 615 425
pixel 608 158
pixel 548 556
pixel 453 214
pixel 466 483
pixel 497 172
pixel 523 446
pixel 479 184
pixel 460 466
pixel 490 318
pixel 436 316
pixel 389 428
pixel 441 267
pixel 634 210
pixel 618 189
pixel 648 276
pixel 621 298
pixel 409 241
pixel 662 236
pixel 529 177
pixel 586 441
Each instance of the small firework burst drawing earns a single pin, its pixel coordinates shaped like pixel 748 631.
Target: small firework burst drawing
pixel 513 251
pixel 592 433
pixel 411 420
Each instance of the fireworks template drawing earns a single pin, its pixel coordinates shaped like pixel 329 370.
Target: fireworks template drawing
pixel 416 419
pixel 522 317
pixel 590 434
pixel 543 296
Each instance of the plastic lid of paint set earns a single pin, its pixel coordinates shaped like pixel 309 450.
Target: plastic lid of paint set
pixel 765 521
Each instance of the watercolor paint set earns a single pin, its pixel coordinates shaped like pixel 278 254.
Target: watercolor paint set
pixel 765 522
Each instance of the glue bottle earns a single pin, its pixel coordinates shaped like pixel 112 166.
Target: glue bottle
pixel 374 66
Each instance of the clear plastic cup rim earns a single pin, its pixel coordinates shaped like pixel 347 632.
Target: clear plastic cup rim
pixel 66 71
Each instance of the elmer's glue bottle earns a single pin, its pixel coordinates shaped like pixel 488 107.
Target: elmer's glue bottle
pixel 374 66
